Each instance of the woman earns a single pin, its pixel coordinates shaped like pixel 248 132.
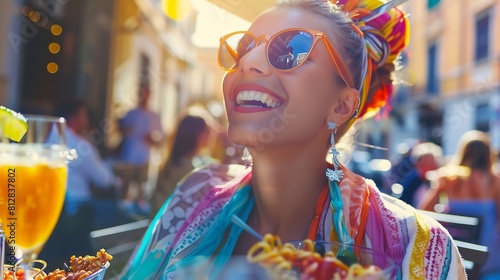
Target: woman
pixel 468 186
pixel 295 82
pixel 191 136
pixel 469 177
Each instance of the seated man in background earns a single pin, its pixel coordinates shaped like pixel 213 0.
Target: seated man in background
pixel 425 157
pixel 82 212
pixel 88 170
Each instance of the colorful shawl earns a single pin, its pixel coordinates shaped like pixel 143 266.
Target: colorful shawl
pixel 195 222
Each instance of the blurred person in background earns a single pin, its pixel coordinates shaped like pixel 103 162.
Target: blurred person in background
pixel 425 157
pixel 83 211
pixel 496 164
pixel 468 186
pixel 188 149
pixel 141 130
pixel 403 164
pixel 88 171
pixel 375 169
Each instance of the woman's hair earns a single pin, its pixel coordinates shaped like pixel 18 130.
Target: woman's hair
pixel 186 137
pixel 474 151
pixel 346 37
pixel 369 48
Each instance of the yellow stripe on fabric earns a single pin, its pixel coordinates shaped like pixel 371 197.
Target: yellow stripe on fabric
pixel 333 235
pixel 422 237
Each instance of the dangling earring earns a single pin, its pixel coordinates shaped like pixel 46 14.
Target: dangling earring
pixel 336 174
pixel 247 158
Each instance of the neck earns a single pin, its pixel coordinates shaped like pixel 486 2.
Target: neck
pixel 286 187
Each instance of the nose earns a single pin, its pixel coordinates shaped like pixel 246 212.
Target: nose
pixel 255 61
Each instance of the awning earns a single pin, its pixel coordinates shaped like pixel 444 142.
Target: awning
pixel 246 9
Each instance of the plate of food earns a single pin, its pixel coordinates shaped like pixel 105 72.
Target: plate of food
pixel 87 268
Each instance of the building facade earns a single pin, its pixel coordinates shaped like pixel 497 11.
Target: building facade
pixel 106 50
pixel 454 70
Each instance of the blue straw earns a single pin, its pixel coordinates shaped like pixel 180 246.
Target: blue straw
pixel 237 221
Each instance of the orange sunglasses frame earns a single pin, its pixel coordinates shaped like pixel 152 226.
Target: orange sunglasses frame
pixel 318 35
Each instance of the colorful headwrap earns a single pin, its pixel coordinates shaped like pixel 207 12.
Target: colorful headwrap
pixel 386 33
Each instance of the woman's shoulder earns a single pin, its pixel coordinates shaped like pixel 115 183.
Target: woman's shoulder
pixel 197 196
pixel 200 181
pixel 412 218
pixel 213 174
pixel 409 235
pixel 452 173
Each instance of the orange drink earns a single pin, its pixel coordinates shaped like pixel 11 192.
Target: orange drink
pixel 32 190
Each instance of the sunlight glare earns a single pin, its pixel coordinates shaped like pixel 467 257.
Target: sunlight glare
pixel 213 22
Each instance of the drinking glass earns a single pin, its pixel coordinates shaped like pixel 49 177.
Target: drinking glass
pixel 33 177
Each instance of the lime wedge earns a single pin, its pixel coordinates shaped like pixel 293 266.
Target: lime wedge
pixel 12 124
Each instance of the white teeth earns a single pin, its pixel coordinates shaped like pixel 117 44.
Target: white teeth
pixel 264 98
pixel 251 95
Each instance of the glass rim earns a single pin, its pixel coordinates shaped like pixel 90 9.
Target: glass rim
pixel 45 118
pixel 387 258
pixel 338 244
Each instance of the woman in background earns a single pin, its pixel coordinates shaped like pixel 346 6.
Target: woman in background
pixel 191 136
pixel 468 186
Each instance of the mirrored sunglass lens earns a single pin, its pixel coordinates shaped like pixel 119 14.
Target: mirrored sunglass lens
pixel 235 47
pixel 289 49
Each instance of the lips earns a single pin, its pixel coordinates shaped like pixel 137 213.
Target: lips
pixel 255 97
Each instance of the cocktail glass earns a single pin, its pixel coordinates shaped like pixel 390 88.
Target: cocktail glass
pixel 33 177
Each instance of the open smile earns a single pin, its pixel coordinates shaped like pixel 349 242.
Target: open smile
pixel 255 98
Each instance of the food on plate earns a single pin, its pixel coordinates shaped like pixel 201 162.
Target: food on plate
pixel 80 268
pixel 285 261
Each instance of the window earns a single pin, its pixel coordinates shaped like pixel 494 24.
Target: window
pixel 432 3
pixel 482 35
pixel 483 113
pixel 432 70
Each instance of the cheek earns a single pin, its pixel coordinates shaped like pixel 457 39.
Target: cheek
pixel 314 92
pixel 227 82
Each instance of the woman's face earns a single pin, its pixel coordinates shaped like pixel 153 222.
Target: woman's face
pixel 301 99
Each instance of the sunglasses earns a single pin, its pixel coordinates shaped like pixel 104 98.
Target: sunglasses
pixel 285 50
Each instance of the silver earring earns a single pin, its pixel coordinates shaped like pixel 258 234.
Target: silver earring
pixel 336 174
pixel 247 158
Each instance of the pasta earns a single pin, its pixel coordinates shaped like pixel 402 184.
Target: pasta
pixel 284 261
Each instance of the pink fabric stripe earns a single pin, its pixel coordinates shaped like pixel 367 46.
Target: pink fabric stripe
pixel 221 191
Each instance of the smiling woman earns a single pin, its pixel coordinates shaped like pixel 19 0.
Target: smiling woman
pixel 295 82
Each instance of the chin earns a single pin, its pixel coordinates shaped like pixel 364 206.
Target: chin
pixel 243 137
pixel 258 138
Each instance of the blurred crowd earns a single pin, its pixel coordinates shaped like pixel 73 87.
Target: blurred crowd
pixel 127 185
pixel 131 181
pixel 466 183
